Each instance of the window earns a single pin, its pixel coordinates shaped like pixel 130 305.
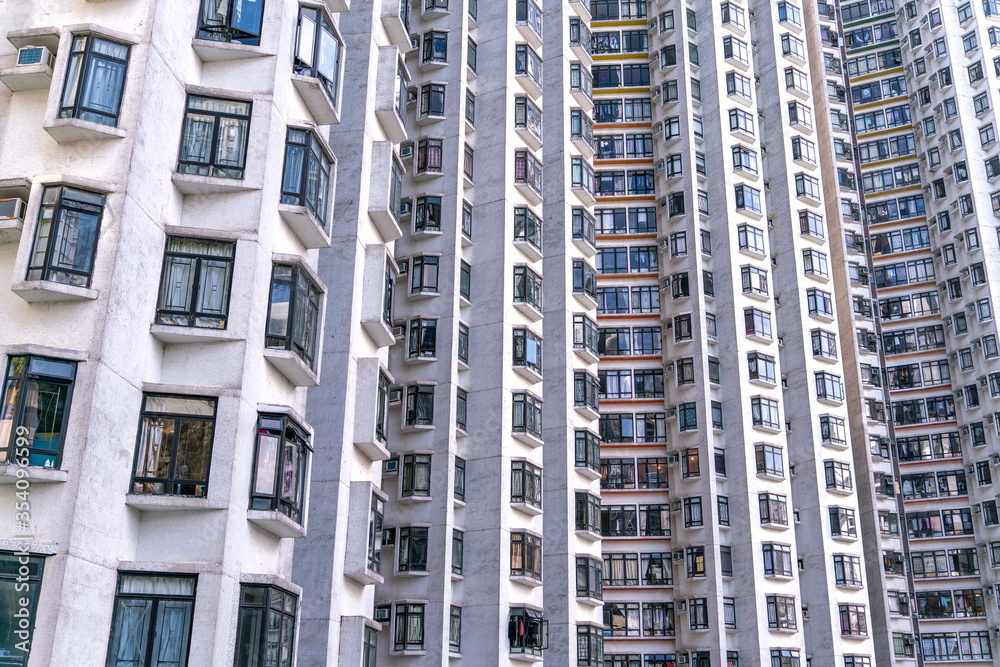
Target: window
pixel 20 583
pixel 773 509
pixel 777 560
pixel 95 80
pixel 214 137
pixel 266 626
pixel 411 544
pixel 416 480
pixel 317 50
pixel 838 475
pixel 306 180
pixel 237 21
pixel 435 47
pixel 472 55
pixel 769 460
pixel 196 282
pixel 589 514
pixel 781 612
pixel 853 621
pixel 764 412
pixel 698 613
pixel 174 450
pixel 692 512
pixel 616 520
pixel 430 153
pixel 454 630
pixel 408 634
pixel 820 303
pixel 525 555
pixel 525 483
pixel 842 522
pixel 457 551
pixel 66 236
pixel 155 610
pixel 35 410
pixel 589 578
pixel 761 367
pixel 784 657
pixel 751 239
pixel 281 467
pixel 465 280
pixel 376 515
pixel 293 312
pixel 527 416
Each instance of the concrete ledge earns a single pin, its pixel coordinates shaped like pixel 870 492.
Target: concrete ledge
pixel 323 109
pixel 27 77
pixel 46 291
pixel 292 367
pixel 150 502
pixel 306 226
pixel 276 523
pixel 190 184
pixel 69 130
pixel 10 230
pixel 168 333
pixel 35 474
pixel 209 50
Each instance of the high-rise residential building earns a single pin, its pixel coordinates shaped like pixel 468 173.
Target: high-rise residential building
pixel 321 348
pixel 165 190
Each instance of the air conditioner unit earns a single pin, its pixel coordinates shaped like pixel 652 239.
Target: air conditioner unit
pixel 976 509
pixel 398 332
pixel 672 413
pixel 395 395
pixel 388 537
pixel 403 266
pixel 405 207
pixel 35 55
pixel 406 150
pixel 679 554
pixel 390 466
pixel 382 614
pixel 12 209
pixel 681 606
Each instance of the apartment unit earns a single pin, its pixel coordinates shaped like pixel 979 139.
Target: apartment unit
pixel 164 196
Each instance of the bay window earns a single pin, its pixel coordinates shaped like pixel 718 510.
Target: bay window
pixel 281 466
pixel 95 80
pixel 317 50
pixel 65 242
pixel 196 283
pixel 306 178
pixel 236 21
pixel 214 137
pixel 293 312
pixel 34 410
pixel 174 450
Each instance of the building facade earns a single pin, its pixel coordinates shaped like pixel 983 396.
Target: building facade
pixel 698 371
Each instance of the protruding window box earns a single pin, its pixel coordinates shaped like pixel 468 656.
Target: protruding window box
pixel 13 204
pixel 305 224
pixel 151 502
pixel 589 535
pixel 528 176
pixel 46 291
pixel 524 580
pixel 529 373
pixel 528 16
pixel 528 438
pixel 290 364
pixel 166 333
pixel 385 193
pixel 36 475
pixel 390 93
pixel 371 415
pixel 69 130
pixel 209 50
pixel 275 523
pixel 394 20
pixel 433 10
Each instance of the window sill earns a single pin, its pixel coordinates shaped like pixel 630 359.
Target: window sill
pixel 209 50
pixel 588 473
pixel 379 332
pixel 292 367
pixel 373 450
pixel 529 311
pixel 760 339
pixel 385 222
pixel 391 123
pixel 168 333
pixel 585 300
pixel 416 360
pixel 589 601
pixel 527 508
pixel 530 250
pixel 524 657
pixel 394 26
pixel 36 474
pixel 588 535
pixel 529 374
pixel 46 291
pixel 587 247
pixel 529 439
pixel 316 99
pixel 190 184
pixel 276 523
pixel 527 581
pixel 773 430
pixel 587 411
pixel 756 296
pixel 530 138
pixel 149 502
pixel 416 428
pixel 68 130
pixel 366 577
pixel 306 226
pixel 531 194
pixel 427 174
pixel 412 573
pixel 530 86
pixel 27 77
pixel 588 356
pixel 403 654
